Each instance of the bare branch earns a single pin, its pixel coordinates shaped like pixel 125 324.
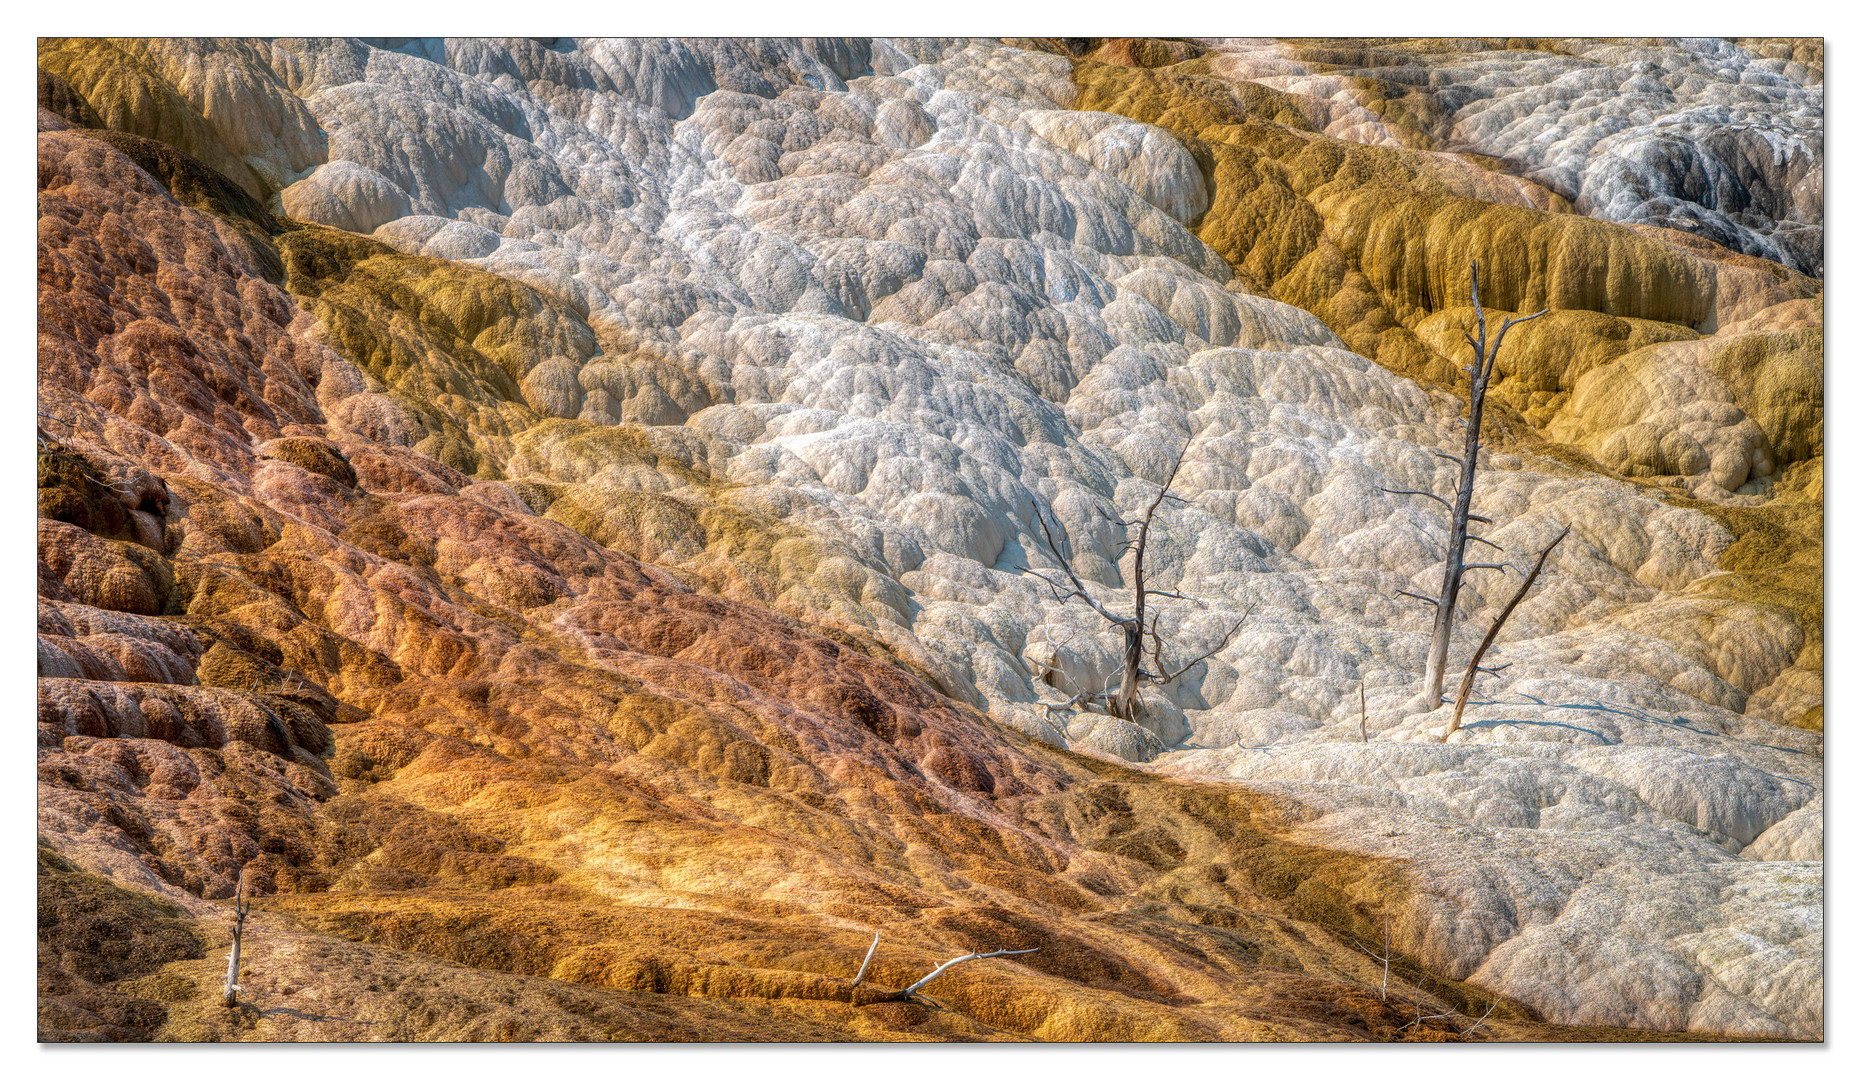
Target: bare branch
pixel 1225 638
pixel 1143 530
pixel 1424 494
pixel 1446 456
pixel 1045 668
pixel 1485 566
pixel 1384 957
pixel 1171 595
pixel 948 964
pixel 1080 698
pixel 1079 587
pixel 1419 1018
pixel 1478 518
pixel 1493 356
pixel 861 977
pixel 1494 670
pixel 1466 683
pixel 1052 584
pixel 1487 542
pixel 1418 596
pixel 1481 1020
pixel 1363 714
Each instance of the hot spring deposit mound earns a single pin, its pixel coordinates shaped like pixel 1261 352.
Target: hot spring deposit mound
pixel 565 518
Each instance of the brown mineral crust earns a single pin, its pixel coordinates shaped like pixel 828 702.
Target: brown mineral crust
pixel 57 96
pixel 109 574
pixel 218 101
pixel 92 934
pixel 1373 239
pixel 160 322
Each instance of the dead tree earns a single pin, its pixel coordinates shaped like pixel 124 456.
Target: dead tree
pixel 1473 666
pixel 905 994
pixel 1133 627
pixel 229 994
pixel 1385 957
pixel 1461 509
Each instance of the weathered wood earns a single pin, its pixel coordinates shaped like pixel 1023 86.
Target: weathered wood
pixel 1122 702
pixel 229 993
pixel 1473 666
pixel 877 997
pixel 861 977
pixel 948 964
pixel 1453 567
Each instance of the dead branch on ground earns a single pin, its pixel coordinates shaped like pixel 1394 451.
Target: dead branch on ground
pixel 907 992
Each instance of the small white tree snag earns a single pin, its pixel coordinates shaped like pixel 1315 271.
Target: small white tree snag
pixel 1363 714
pixel 1384 958
pixel 1123 704
pixel 1455 566
pixel 1473 666
pixel 229 994
pixel 861 977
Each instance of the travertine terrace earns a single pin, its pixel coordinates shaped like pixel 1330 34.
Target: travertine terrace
pixel 551 511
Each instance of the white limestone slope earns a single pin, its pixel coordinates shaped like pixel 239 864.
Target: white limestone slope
pixel 908 301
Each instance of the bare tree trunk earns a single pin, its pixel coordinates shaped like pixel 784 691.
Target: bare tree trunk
pixel 1454 566
pixel 229 993
pixel 1124 706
